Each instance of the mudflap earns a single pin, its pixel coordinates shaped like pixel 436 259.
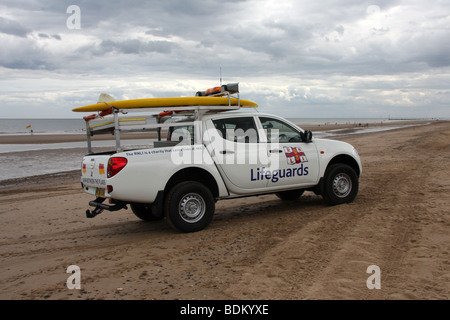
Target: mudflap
pixel 319 188
pixel 100 206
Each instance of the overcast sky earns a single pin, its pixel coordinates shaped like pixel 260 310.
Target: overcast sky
pixel 294 58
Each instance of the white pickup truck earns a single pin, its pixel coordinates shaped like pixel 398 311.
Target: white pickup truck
pixel 200 156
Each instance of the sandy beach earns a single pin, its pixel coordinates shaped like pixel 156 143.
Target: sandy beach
pixel 255 248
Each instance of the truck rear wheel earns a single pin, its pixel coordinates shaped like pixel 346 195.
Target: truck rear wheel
pixel 189 206
pixel 144 212
pixel 341 184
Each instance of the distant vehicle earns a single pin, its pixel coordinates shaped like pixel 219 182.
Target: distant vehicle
pixel 206 151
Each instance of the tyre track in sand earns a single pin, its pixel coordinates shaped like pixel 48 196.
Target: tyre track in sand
pixel 329 257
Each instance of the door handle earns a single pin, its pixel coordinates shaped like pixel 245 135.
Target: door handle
pixel 226 151
pixel 275 151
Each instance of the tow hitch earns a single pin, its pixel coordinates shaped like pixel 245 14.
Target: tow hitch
pixel 99 207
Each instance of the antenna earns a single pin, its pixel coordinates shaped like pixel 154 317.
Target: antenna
pixel 220 74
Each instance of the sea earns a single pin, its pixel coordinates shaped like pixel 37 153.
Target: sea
pixel 24 160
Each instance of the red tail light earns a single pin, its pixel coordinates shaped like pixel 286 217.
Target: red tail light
pixel 115 164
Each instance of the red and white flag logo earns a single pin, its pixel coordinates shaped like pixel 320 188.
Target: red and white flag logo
pixel 294 155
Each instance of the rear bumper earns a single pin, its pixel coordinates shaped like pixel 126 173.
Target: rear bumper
pixel 100 206
pixel 116 205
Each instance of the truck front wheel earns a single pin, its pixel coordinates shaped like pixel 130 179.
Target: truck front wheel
pixel 341 184
pixel 189 206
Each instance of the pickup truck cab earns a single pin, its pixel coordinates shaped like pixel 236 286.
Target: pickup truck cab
pixel 209 156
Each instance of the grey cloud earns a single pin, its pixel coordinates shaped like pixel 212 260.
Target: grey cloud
pixel 30 59
pixel 135 46
pixel 47 36
pixel 431 48
pixel 340 29
pixel 302 37
pixel 12 27
pixel 127 46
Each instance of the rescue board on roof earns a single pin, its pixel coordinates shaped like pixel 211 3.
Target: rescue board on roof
pixel 212 97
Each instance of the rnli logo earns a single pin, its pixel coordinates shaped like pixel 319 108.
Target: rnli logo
pixel 294 155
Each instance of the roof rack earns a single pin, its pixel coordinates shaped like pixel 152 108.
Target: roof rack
pixel 108 122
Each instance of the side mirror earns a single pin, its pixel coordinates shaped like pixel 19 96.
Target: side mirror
pixel 307 136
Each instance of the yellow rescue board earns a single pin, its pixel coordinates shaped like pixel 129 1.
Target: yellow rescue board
pixel 166 102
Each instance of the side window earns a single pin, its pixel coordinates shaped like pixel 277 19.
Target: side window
pixel 278 131
pixel 184 134
pixel 242 129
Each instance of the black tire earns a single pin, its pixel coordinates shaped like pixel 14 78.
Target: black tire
pixel 189 206
pixel 290 194
pixel 144 212
pixel 340 184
